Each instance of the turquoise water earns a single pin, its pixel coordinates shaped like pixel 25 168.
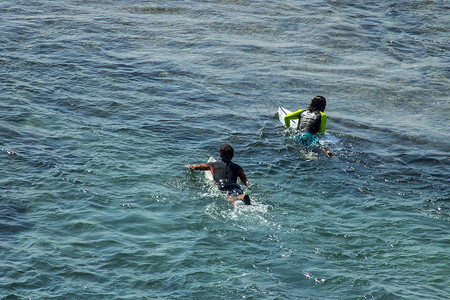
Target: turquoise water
pixel 104 102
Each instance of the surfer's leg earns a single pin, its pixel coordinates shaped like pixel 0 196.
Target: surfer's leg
pixel 327 153
pixel 316 143
pixel 231 199
pixel 234 192
pixel 313 140
pixel 245 198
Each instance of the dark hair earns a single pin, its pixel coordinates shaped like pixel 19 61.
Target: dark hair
pixel 318 103
pixel 226 153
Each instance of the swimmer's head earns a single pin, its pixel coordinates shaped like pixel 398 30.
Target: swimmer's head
pixel 226 153
pixel 318 103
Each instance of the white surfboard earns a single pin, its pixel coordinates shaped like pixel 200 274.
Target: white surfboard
pixel 282 112
pixel 208 174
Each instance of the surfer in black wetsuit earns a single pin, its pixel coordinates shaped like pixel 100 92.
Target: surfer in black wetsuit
pixel 225 174
pixel 311 121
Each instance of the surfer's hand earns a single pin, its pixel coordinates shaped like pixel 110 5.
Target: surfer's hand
pixel 329 154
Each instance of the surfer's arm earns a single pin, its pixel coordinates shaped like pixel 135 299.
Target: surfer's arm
pixel 201 167
pixel 242 177
pixel 291 116
pixel 323 123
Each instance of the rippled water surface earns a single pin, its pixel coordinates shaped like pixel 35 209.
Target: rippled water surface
pixel 104 102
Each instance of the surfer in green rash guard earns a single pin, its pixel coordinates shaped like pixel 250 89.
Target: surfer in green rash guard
pixel 311 121
pixel 225 174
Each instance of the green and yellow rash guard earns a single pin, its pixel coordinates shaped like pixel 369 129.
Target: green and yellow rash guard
pixel 298 114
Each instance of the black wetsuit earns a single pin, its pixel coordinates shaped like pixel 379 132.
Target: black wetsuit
pixel 225 175
pixel 309 122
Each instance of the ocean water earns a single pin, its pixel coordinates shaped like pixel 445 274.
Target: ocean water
pixel 102 103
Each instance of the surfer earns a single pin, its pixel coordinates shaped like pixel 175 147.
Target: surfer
pixel 225 174
pixel 310 122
